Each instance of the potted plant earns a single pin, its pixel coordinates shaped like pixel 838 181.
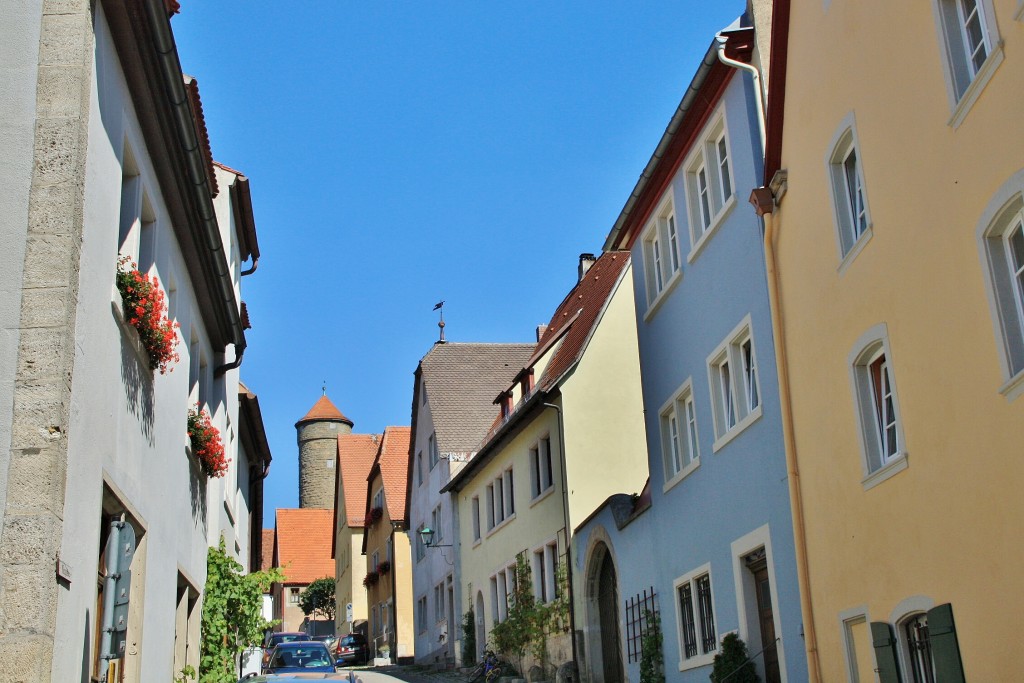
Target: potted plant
pixel 371 578
pixel 384 567
pixel 207 446
pixel 145 309
pixel 375 516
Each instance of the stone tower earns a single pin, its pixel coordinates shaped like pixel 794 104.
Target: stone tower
pixel 317 434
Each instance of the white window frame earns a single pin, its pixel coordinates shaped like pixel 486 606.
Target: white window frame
pixel 475 503
pixel 421 621
pixel 701 658
pixel 711 196
pixel 731 408
pixel 544 571
pixel 680 448
pixel 1006 301
pixel 542 469
pixel 432 449
pixel 850 238
pixel 877 466
pixel 964 79
pixel 661 252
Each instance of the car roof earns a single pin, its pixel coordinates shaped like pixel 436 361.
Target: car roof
pixel 299 643
pixel 297 677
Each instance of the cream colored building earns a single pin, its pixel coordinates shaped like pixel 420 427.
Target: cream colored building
pixel 573 415
pixel 388 580
pixel 900 299
pixel 356 454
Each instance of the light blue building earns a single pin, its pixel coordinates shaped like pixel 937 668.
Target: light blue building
pixel 708 544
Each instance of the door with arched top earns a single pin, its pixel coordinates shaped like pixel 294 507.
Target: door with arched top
pixel 608 611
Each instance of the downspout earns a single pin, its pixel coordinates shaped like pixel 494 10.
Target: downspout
pixel 752 70
pixel 221 369
pixel 250 271
pixel 568 544
pixel 764 205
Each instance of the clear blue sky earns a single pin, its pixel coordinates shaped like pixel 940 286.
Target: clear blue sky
pixel 401 153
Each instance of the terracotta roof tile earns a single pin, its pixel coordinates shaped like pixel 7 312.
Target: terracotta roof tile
pixel 393 462
pixel 304 538
pixel 199 120
pixel 323 409
pixel 267 559
pixel 356 456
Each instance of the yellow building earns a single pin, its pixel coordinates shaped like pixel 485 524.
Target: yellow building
pixel 356 455
pixel 388 580
pixel 572 416
pixel 896 230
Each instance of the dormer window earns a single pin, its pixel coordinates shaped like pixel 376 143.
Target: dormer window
pixel 505 400
pixel 526 381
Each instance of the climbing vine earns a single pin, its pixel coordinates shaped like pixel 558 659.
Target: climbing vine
pixel 232 614
pixel 530 624
pixel 469 637
pixel 651 657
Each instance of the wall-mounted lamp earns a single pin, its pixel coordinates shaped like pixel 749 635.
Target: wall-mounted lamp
pixel 427 536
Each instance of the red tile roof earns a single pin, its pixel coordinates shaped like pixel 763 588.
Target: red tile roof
pixel 392 462
pixel 199 120
pixel 581 311
pixel 356 456
pixel 267 559
pixel 323 409
pixel 304 538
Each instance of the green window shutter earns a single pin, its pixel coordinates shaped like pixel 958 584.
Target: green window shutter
pixel 945 648
pixel 884 642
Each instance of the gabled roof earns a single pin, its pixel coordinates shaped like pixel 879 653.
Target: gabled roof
pixel 304 538
pixel 580 312
pixel 356 455
pixel 566 337
pixel 462 381
pixel 267 556
pixel 391 463
pixel 323 409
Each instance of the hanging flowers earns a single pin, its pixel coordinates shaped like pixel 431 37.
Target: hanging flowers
pixel 206 443
pixel 371 578
pixel 383 568
pixel 145 308
pixel 375 516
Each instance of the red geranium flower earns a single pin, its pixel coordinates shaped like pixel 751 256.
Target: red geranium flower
pixel 143 296
pixel 206 443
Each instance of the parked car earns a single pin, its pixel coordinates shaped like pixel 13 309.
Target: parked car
pixel 300 656
pixel 293 678
pixel 352 649
pixel 274 639
pixel 330 641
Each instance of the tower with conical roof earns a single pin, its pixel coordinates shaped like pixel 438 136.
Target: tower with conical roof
pixel 317 435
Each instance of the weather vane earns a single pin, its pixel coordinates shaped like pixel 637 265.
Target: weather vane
pixel 439 306
pixel 325 387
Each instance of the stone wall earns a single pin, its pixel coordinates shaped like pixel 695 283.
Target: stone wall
pixel 35 478
pixel 318 456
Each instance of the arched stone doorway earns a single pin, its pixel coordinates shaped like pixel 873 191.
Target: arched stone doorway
pixel 604 641
pixel 481 632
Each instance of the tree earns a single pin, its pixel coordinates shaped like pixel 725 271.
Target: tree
pixel 318 598
pixel 232 614
pixel 733 664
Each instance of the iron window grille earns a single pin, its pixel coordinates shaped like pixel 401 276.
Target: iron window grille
pixel 641 620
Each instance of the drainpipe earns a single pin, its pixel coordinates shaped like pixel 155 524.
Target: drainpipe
pixel 568 544
pixel 752 70
pixel 764 204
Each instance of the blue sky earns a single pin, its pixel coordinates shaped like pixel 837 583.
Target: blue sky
pixel 401 153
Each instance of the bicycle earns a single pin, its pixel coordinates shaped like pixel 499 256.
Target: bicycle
pixel 489 670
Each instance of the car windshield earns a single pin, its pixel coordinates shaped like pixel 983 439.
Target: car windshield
pixel 301 657
pixel 350 640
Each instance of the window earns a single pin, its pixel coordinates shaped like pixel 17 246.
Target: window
pixel 849 200
pixel 421 550
pixel 421 614
pixel 375 561
pixel 389 553
pixel 679 435
pixel 661 251
pixel 293 596
pixel 378 498
pixel 419 468
pixel 432 449
pixel 1001 238
pixel 439 602
pixel 735 389
pixel 476 518
pixel 544 571
pixel 971 50
pixel 877 407
pixel 698 639
pixel 500 499
pixel 709 183
pixel 925 642
pixel 541 471
pixel 437 524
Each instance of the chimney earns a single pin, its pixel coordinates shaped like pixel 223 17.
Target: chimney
pixel 541 329
pixel 586 260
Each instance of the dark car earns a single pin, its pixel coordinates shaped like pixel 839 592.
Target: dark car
pixel 274 639
pixel 294 678
pixel 299 656
pixel 352 649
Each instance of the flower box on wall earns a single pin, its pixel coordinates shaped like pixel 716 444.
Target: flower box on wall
pixel 144 307
pixel 384 567
pixel 371 579
pixel 207 446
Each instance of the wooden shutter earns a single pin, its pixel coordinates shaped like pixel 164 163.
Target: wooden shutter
pixel 884 642
pixel 945 648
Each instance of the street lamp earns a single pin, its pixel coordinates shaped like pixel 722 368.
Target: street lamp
pixel 427 536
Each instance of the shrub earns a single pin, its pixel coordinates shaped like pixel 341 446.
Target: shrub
pixel 733 662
